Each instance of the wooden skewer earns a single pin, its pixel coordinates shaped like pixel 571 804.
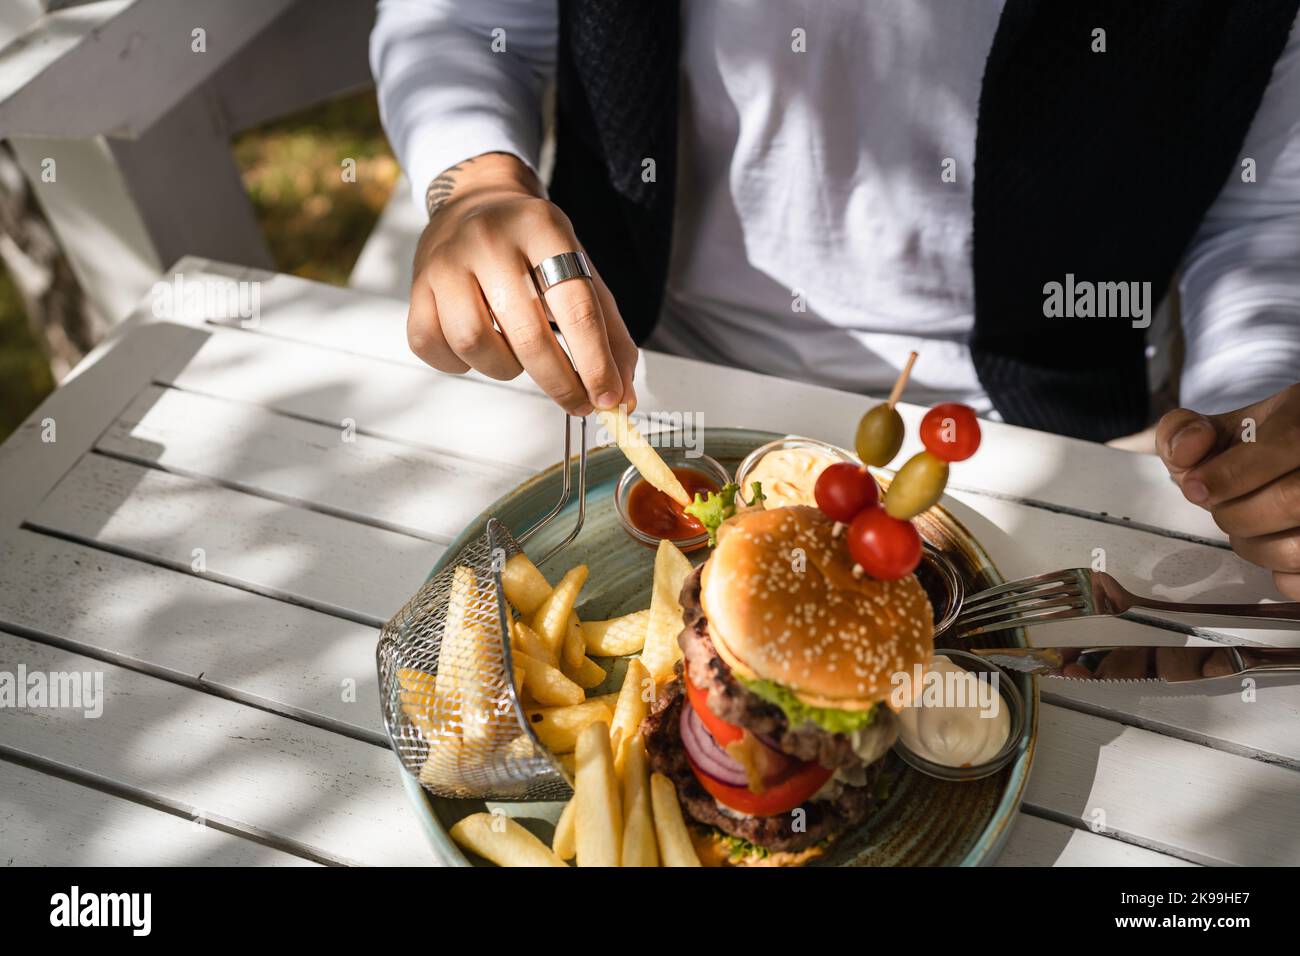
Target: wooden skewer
pixel 901 384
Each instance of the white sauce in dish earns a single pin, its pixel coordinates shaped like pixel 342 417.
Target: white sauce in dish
pixel 788 476
pixel 948 723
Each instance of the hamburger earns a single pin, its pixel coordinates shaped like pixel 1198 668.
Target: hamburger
pixel 775 727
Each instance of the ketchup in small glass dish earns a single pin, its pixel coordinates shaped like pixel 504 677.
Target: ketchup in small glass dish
pixel 648 515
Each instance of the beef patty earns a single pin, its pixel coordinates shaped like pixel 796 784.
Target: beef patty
pixel 734 703
pixel 822 820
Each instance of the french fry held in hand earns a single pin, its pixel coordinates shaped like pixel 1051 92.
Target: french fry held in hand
pixel 630 709
pixel 563 843
pixel 551 619
pixel 617 637
pixel 640 846
pixel 675 847
pixel 642 454
pixel 598 814
pixel 546 683
pixel 661 649
pixel 558 727
pixel 496 837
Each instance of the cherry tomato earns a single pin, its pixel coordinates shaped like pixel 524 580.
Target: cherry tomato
pixel 887 549
pixel 723 732
pixel 781 797
pixel 844 489
pixel 951 431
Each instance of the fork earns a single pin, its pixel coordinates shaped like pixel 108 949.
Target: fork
pixel 1081 592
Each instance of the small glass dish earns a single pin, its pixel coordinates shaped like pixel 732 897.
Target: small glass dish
pixel 674 458
pixel 750 461
pixel 1011 698
pixel 943 586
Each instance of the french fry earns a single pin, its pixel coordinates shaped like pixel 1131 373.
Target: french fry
pixel 618 636
pixel 467 657
pixel 661 649
pixel 525 586
pixel 588 674
pixel 640 847
pixel 629 710
pixel 447 684
pixel 598 814
pixel 642 454
pixel 575 643
pixel 527 640
pixel 547 685
pixel 675 847
pixel 551 619
pixel 418 699
pixel 558 727
pixel 563 843
pixel 497 838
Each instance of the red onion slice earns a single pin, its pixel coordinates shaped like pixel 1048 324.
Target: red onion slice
pixel 706 753
pixel 713 760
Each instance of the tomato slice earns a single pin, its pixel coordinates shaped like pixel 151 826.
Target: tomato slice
pixel 723 732
pixel 779 798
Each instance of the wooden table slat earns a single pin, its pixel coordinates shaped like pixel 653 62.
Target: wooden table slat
pixel 49 821
pixel 284 657
pixel 1196 802
pixel 415 490
pixel 326 562
pixel 339 798
pixel 1038 842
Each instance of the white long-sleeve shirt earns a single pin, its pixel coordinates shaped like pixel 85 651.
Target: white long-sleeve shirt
pixel 814 236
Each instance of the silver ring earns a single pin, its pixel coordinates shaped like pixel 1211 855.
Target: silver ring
pixel 556 269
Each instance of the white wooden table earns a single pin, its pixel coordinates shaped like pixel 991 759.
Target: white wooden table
pixel 201 533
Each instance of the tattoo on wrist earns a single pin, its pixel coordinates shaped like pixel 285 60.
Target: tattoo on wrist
pixel 440 190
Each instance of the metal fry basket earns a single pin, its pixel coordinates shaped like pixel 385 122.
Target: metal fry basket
pixel 450 701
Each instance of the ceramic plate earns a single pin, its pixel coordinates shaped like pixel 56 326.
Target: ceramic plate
pixel 923 822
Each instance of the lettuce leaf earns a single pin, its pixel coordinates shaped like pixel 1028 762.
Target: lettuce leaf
pixel 718 506
pixel 829 719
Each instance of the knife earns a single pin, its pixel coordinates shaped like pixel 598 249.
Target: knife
pixel 1133 662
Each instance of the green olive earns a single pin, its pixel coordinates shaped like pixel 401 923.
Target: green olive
pixel 880 435
pixel 917 486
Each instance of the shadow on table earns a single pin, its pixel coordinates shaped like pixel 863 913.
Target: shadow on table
pixel 157 614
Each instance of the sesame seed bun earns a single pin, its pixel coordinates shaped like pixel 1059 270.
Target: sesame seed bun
pixel 783 605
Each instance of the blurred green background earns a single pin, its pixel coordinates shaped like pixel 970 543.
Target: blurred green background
pixel 314 222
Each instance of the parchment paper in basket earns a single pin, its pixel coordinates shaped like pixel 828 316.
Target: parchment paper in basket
pixel 450 705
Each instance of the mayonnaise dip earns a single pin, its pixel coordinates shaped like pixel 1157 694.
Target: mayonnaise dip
pixel 788 476
pixel 957 719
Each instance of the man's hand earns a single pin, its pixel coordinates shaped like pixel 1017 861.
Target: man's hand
pixel 1244 467
pixel 488 226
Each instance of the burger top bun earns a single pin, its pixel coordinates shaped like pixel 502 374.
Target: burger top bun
pixel 783 605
